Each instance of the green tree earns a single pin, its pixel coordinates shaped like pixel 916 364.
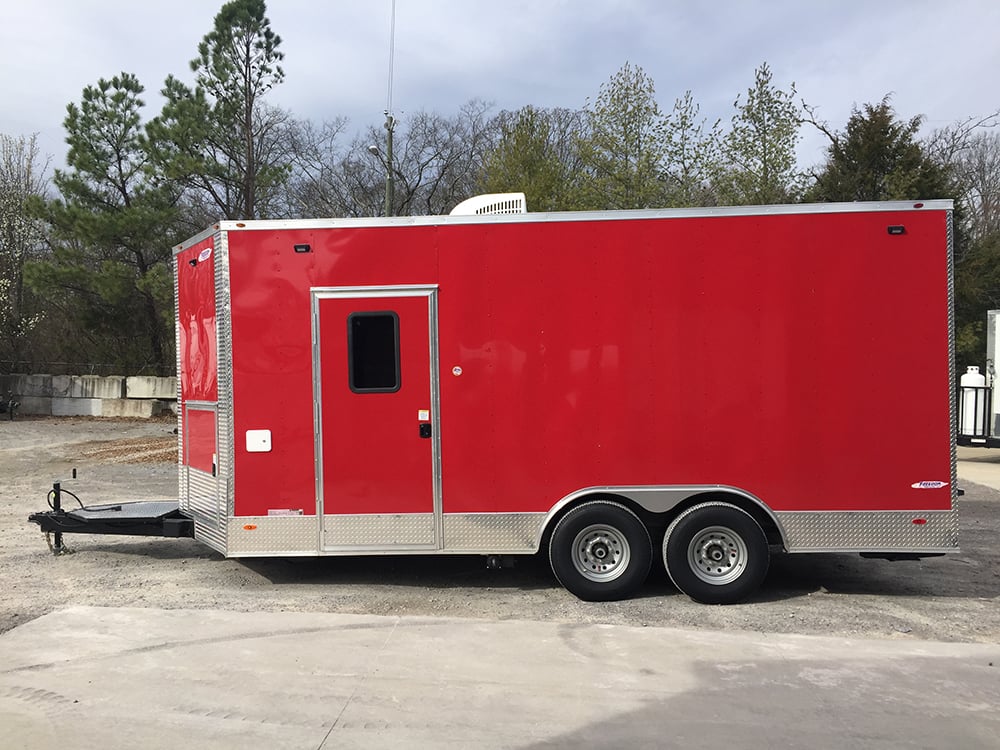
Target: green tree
pixel 535 154
pixel 878 157
pixel 220 138
pixel 691 155
pixel 759 165
pixel 623 150
pixel 111 232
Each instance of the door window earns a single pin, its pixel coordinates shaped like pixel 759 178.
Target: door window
pixel 373 352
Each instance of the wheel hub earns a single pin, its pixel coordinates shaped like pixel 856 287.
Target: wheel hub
pixel 717 555
pixel 600 553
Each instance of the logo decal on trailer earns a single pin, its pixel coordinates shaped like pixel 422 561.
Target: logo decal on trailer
pixel 928 485
pixel 204 255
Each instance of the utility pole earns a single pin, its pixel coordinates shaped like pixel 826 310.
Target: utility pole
pixel 390 124
pixel 390 120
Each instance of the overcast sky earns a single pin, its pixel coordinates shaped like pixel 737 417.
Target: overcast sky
pixel 939 58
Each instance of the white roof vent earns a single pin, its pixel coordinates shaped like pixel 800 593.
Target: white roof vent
pixel 491 203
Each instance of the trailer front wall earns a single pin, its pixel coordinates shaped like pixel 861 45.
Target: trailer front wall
pixel 198 268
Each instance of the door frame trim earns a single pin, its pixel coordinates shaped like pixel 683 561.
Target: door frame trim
pixel 429 292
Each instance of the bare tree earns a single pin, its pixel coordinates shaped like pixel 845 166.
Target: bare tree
pixel 22 178
pixel 435 164
pixel 970 149
pixel 438 159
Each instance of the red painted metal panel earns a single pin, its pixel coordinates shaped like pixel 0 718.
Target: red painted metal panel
pixel 196 323
pixel 374 459
pixel 272 344
pixel 201 446
pixel 803 358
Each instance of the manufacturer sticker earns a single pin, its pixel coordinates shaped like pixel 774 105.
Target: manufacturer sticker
pixel 204 255
pixel 928 485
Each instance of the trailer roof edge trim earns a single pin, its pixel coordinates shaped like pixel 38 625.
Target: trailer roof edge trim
pixel 566 216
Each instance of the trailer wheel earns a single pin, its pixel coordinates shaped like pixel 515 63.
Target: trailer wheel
pixel 600 551
pixel 716 553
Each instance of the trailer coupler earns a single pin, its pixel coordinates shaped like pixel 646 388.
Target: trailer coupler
pixel 145 518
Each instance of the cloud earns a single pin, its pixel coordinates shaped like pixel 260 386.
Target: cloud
pixel 933 56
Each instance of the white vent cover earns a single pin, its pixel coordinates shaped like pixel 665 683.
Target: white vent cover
pixel 491 203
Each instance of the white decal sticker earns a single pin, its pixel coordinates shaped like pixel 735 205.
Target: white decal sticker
pixel 423 415
pixel 928 485
pixel 456 371
pixel 284 511
pixel 204 255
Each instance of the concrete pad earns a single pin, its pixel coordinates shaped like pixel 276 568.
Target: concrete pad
pixel 979 465
pixel 90 677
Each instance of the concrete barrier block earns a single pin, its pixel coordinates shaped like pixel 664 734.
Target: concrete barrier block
pixel 32 385
pixel 34 405
pixel 150 387
pixel 76 407
pixel 61 386
pixel 96 386
pixel 132 407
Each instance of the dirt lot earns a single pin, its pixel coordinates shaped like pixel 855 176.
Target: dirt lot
pixel 956 598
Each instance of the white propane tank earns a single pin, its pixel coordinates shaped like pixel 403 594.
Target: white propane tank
pixel 972 419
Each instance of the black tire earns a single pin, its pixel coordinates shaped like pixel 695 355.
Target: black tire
pixel 716 553
pixel 600 551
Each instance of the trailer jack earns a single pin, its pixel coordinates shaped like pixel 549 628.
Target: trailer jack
pixel 146 518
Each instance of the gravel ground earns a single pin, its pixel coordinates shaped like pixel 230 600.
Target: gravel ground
pixel 954 598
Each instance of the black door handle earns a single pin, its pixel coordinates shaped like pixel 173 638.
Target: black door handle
pixel 425 430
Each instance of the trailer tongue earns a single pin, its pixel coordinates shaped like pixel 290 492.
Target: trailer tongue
pixel 145 518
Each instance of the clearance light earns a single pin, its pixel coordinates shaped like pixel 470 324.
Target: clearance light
pixel 252 526
pixel 919 521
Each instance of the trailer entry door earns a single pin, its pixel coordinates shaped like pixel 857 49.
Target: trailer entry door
pixel 375 375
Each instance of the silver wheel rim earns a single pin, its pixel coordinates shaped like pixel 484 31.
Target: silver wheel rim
pixel 717 555
pixel 600 553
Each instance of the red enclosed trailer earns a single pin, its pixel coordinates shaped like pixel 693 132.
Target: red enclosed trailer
pixel 705 385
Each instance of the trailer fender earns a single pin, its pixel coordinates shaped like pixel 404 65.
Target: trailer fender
pixel 666 501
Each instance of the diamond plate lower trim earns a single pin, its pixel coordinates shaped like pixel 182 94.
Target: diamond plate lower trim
pixel 265 536
pixel 205 505
pixel 208 535
pixel 867 531
pixel 492 532
pixel 383 531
